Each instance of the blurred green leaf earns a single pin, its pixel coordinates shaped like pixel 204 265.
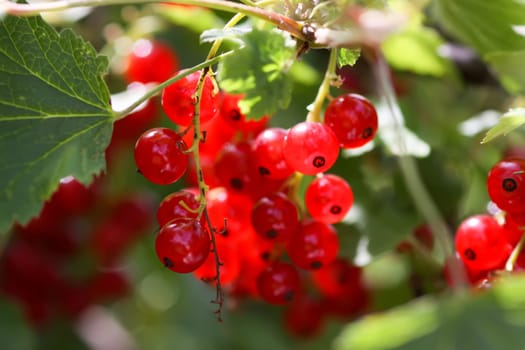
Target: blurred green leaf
pixel 347 57
pixel 493 319
pixel 196 19
pixel 416 50
pixel 14 331
pixel 509 121
pixel 55 114
pixel 260 71
pixel 486 26
pixel 509 67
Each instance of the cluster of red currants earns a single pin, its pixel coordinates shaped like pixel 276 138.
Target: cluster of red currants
pixel 67 258
pixel 261 240
pixel 484 242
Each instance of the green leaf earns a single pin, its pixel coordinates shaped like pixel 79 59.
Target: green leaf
pixel 509 121
pixel 55 114
pixel 487 26
pixel 347 57
pixel 509 68
pixel 260 71
pixel 493 319
pixel 416 50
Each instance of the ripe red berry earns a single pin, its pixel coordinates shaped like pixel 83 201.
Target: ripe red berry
pixel 480 243
pixel 275 217
pixel 338 279
pixel 230 264
pixel 232 115
pixel 234 167
pixel 353 119
pixel 310 148
pixel 314 245
pixel 170 207
pixel 506 185
pixel 269 156
pixel 151 61
pixel 178 100
pixel 160 156
pixel 279 283
pixel 329 198
pixel 183 245
pixel 304 317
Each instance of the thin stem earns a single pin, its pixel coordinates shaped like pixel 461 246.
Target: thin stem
pixel 157 89
pixel 324 89
pixel 217 43
pixel 511 261
pixel 416 188
pixel 285 23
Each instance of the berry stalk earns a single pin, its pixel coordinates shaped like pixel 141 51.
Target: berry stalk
pixel 415 186
pixel 315 109
pixel 158 88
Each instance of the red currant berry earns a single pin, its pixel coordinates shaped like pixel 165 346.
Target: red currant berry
pixel 160 156
pixel 268 154
pixel 480 243
pixel 230 264
pixel 235 169
pixel 353 119
pixel 232 115
pixel 171 208
pixel 304 317
pixel 279 283
pixel 310 148
pixel 183 245
pixel 506 185
pixel 151 61
pixel 329 198
pixel 179 102
pixel 338 279
pixel 275 217
pixel 315 244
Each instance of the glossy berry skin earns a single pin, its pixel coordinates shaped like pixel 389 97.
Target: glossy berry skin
pixel 310 148
pixel 151 61
pixel 234 167
pixel 314 245
pixel 170 207
pixel 160 156
pixel 179 103
pixel 506 185
pixel 269 156
pixel 231 113
pixel 279 283
pixel 183 245
pixel 275 217
pixel 353 119
pixel 480 243
pixel 328 198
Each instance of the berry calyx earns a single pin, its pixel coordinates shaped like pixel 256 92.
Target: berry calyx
pixel 178 100
pixel 353 119
pixel 160 156
pixel 310 148
pixel 329 198
pixel 183 245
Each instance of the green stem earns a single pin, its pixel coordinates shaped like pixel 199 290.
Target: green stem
pixel 416 188
pixel 511 261
pixel 157 89
pixel 324 89
pixel 285 23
